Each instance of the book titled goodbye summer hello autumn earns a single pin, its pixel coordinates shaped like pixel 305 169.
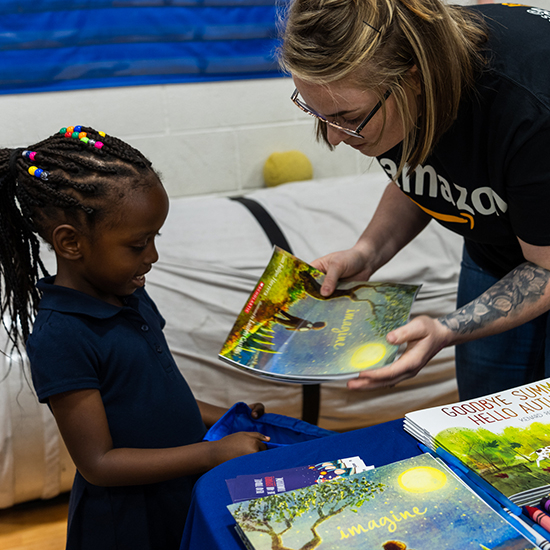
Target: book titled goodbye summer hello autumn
pixel 504 438
pixel 288 331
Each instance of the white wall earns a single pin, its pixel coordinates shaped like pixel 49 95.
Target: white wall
pixel 204 138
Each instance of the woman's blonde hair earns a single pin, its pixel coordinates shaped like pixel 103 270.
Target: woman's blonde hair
pixel 374 44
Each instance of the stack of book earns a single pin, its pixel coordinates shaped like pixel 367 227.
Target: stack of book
pixel 502 440
pixel 417 503
pixel 288 331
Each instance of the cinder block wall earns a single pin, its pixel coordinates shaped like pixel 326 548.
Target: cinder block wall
pixel 203 138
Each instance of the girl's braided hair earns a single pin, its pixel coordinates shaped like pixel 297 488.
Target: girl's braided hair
pixel 76 186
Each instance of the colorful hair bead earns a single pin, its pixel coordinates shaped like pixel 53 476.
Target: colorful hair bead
pixel 84 140
pixel 82 135
pixel 102 134
pixel 98 145
pixel 70 129
pixel 68 134
pixel 38 173
pixel 78 129
pixel 91 142
pixel 28 154
pixel 74 135
pixel 63 131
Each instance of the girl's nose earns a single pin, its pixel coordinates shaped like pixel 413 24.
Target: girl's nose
pixel 152 253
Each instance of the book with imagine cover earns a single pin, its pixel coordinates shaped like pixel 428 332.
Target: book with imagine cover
pixel 288 331
pixel 503 437
pixel 414 504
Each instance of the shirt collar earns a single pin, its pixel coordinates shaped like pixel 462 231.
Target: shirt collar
pixel 68 300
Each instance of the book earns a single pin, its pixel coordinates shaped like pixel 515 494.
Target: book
pixel 288 331
pixel 417 503
pixel 246 487
pixel 502 440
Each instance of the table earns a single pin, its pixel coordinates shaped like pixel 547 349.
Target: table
pixel 210 526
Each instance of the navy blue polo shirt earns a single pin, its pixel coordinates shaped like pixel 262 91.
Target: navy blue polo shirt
pixel 80 342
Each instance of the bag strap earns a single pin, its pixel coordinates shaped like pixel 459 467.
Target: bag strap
pixel 311 393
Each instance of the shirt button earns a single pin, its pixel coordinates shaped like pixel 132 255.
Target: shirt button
pixel 158 348
pixel 144 328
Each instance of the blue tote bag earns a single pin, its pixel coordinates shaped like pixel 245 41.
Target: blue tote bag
pixel 283 430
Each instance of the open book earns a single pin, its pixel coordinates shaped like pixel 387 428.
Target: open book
pixel 417 503
pixel 504 438
pixel 288 331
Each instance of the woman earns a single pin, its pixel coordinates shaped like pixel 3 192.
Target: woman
pixel 455 104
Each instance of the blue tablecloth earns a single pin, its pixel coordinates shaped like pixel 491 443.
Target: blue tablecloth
pixel 210 526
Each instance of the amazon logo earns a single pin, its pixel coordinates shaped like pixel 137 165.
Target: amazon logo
pixel 426 182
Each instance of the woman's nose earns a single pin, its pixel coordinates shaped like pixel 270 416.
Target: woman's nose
pixel 335 136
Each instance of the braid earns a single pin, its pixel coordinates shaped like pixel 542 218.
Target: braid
pixel 60 178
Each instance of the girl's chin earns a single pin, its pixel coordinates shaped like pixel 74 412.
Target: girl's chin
pixel 139 281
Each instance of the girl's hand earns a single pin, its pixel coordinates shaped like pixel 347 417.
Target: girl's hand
pixel 424 337
pixel 352 263
pixel 238 444
pixel 258 410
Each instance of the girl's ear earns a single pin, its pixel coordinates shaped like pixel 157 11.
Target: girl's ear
pixel 67 242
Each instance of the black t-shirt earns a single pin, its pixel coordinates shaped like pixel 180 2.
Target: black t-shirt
pixel 488 177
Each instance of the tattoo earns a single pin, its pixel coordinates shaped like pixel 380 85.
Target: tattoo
pixel 524 285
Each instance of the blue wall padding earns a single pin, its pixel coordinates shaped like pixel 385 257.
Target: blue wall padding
pixel 48 45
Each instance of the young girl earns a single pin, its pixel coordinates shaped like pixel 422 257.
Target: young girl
pixel 97 352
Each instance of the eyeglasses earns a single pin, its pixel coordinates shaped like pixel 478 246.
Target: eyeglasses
pixel 354 133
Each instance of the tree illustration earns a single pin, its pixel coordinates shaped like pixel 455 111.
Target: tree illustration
pixel 276 514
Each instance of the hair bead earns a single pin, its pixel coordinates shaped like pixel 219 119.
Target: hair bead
pixel 28 154
pixel 102 134
pixel 98 144
pixel 74 135
pixel 82 135
pixel 84 140
pixel 63 131
pixel 78 129
pixel 91 142
pixel 70 129
pixel 38 173
pixel 68 134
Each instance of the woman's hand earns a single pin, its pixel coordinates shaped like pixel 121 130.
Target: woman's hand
pixel 345 264
pixel 424 338
pixel 258 410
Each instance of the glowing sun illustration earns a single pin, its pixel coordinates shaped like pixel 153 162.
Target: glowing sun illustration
pixel 423 479
pixel 368 355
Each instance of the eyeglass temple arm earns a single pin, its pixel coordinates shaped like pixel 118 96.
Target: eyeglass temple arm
pixel 373 112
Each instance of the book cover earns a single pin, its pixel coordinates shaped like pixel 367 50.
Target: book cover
pixel 413 504
pixel 246 487
pixel 503 437
pixel 288 331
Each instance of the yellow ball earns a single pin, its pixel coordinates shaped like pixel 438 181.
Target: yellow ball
pixel 288 166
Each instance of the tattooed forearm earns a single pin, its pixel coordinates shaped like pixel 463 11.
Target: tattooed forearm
pixel 524 285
